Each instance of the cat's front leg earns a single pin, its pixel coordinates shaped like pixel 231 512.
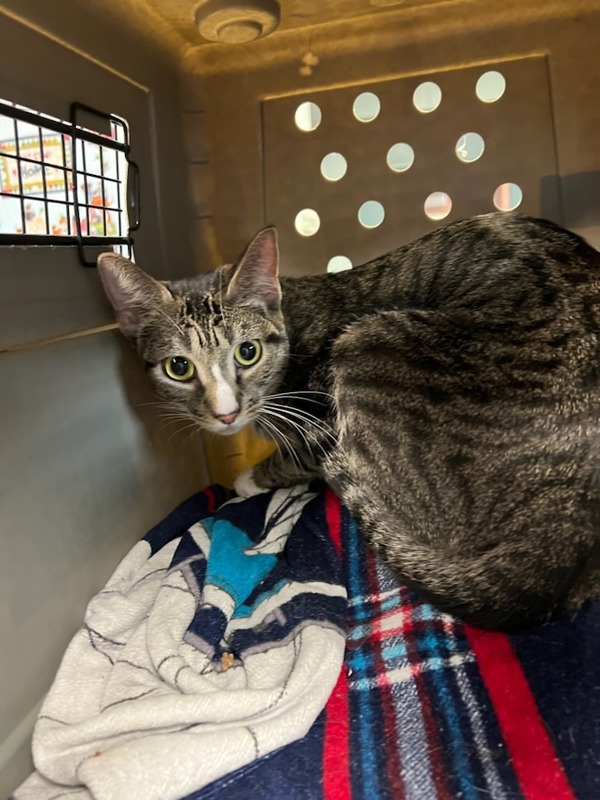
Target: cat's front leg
pixel 275 472
pixel 246 486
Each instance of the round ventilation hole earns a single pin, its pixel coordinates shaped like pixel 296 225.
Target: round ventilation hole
pixel 469 147
pixel 427 97
pixel 307 222
pixel 438 205
pixel 366 107
pixel 490 87
pixel 333 167
pixel 400 157
pixel 371 214
pixel 307 116
pixel 508 196
pixel 339 264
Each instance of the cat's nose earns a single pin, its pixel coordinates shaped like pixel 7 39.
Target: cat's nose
pixel 227 419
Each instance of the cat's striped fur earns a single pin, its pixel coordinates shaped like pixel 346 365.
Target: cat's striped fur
pixel 449 391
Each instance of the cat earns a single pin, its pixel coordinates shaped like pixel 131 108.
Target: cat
pixel 448 391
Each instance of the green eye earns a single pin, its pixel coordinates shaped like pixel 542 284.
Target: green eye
pixel 248 353
pixel 179 368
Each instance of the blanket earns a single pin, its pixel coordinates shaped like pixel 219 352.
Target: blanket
pixel 218 639
pixel 213 666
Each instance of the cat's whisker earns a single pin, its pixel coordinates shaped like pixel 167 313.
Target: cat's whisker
pixel 164 410
pixel 196 428
pixel 274 435
pixel 263 430
pixel 310 442
pixel 298 428
pixel 174 416
pixel 169 422
pixel 303 414
pixel 182 430
pixel 171 416
pixel 294 392
pixel 170 408
pixel 180 415
pixel 286 442
pixel 301 393
pixel 310 420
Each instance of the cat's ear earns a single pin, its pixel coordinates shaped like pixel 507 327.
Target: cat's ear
pixel 132 293
pixel 255 279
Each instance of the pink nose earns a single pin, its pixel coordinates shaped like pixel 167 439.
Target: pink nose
pixel 227 419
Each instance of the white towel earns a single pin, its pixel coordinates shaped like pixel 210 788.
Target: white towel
pixel 218 639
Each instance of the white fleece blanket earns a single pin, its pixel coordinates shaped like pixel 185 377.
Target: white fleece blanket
pixel 217 640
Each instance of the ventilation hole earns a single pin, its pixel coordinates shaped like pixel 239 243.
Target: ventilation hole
pixel 366 107
pixel 508 196
pixel 307 222
pixel 438 205
pixel 469 147
pixel 339 264
pixel 490 86
pixel 333 166
pixel 427 97
pixel 371 214
pixel 307 116
pixel 400 157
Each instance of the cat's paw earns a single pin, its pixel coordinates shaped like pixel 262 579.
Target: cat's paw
pixel 245 486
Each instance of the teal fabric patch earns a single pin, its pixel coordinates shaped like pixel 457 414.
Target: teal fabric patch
pixel 232 564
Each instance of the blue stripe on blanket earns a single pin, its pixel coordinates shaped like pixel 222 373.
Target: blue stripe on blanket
pixel 490 748
pixel 365 737
pixel 452 726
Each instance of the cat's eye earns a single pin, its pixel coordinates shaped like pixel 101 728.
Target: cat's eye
pixel 248 353
pixel 178 368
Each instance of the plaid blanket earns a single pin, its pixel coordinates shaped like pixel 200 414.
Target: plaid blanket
pixel 423 707
pixel 427 708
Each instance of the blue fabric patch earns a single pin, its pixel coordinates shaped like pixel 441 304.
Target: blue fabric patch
pixel 229 565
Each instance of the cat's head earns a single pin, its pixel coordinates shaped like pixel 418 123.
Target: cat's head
pixel 214 345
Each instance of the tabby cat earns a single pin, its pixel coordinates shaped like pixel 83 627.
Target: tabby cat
pixel 448 391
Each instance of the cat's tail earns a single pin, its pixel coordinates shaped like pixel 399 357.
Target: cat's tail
pixel 510 585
